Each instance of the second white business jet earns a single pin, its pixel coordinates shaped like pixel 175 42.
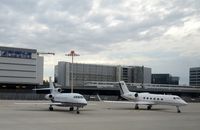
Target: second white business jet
pixel 71 100
pixel 149 99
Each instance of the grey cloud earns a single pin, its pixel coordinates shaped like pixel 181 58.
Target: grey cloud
pixel 61 28
pixel 71 24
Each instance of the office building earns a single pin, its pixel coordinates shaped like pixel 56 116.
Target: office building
pixel 20 67
pixel 106 73
pixel 195 76
pixel 135 74
pixel 141 74
pixel 164 79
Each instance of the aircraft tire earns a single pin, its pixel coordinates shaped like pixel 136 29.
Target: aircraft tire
pixel 136 107
pixel 50 108
pixel 149 107
pixel 71 108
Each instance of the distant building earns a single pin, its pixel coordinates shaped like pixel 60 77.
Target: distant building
pixel 164 79
pixel 83 72
pixel 195 76
pixel 135 74
pixel 20 67
pixel 141 74
pixel 105 73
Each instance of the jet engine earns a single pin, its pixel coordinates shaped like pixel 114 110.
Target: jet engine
pixel 49 96
pixel 59 90
pixel 136 94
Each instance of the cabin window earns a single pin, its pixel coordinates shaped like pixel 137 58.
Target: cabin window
pixel 161 98
pixel 150 98
pixel 157 98
pixel 154 98
pixel 143 97
pixel 147 98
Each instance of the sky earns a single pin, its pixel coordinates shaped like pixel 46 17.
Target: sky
pixel 160 34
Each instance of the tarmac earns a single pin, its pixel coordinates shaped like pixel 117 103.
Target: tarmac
pixel 97 116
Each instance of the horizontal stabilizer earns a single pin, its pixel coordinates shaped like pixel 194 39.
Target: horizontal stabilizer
pixel 37 103
pixel 129 102
pixel 42 89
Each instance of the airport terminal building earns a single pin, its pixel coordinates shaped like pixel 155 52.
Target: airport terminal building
pixel 20 68
pixel 87 74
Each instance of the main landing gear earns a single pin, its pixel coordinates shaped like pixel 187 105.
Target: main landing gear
pixel 71 108
pixel 50 108
pixel 136 107
pixel 178 110
pixel 149 107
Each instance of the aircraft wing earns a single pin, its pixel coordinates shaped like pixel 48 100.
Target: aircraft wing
pixel 131 102
pixel 38 103
pixel 42 89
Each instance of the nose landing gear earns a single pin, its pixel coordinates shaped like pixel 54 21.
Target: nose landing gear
pixel 50 108
pixel 77 110
pixel 178 110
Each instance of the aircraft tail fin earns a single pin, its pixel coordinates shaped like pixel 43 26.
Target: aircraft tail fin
pixel 123 88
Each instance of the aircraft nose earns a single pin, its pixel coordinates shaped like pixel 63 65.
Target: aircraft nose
pixel 184 103
pixel 84 102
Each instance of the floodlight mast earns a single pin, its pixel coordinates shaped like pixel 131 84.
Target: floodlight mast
pixel 72 54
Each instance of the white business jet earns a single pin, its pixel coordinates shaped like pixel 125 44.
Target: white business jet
pixel 71 100
pixel 149 99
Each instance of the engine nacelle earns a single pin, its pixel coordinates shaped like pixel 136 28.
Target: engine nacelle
pixel 59 90
pixel 136 94
pixel 49 96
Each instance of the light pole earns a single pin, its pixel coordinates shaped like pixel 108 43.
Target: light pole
pixel 72 54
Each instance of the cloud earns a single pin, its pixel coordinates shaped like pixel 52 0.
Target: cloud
pixel 160 34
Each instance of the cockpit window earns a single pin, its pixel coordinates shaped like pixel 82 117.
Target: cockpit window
pixel 80 97
pixel 176 97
